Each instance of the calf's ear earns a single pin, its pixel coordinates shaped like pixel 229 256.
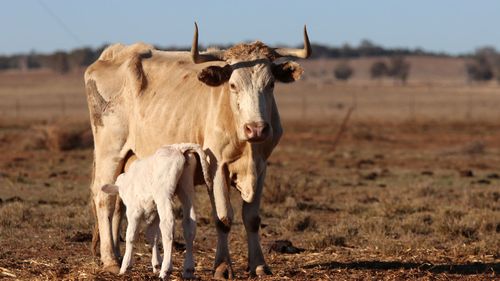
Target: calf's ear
pixel 287 72
pixel 110 189
pixel 215 75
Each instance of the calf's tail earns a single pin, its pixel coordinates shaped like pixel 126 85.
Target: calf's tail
pixel 194 148
pixel 221 198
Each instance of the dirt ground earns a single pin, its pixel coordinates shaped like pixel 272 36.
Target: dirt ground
pixel 401 197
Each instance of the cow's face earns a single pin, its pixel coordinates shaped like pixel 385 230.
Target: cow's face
pixel 249 77
pixel 250 85
pixel 251 88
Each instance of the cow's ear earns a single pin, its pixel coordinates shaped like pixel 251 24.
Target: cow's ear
pixel 215 75
pixel 287 72
pixel 110 189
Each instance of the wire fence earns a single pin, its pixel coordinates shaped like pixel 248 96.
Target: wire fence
pixel 36 108
pixel 316 104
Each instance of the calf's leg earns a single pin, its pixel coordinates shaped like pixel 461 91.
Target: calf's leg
pixel 167 234
pixel 153 237
pixel 133 218
pixel 185 192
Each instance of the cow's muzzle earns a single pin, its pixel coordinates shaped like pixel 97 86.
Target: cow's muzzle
pixel 256 131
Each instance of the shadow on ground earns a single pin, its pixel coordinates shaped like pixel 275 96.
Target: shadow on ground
pixel 464 269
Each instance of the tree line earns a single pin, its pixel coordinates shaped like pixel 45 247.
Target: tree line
pixel 368 49
pixel 59 61
pixel 483 65
pixel 397 68
pixel 63 61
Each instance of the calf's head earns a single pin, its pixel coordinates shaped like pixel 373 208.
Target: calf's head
pixel 249 75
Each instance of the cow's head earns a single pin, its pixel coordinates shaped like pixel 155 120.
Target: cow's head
pixel 249 75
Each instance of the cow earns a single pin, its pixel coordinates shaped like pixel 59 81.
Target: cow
pixel 140 99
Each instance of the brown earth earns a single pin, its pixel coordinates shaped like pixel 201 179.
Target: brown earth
pixel 411 191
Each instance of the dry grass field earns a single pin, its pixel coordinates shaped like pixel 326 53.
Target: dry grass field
pixel 411 191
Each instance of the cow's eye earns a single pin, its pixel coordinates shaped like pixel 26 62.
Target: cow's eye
pixel 232 86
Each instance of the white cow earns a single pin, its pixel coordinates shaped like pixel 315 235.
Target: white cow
pixel 148 188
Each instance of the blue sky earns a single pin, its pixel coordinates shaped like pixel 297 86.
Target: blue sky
pixel 46 25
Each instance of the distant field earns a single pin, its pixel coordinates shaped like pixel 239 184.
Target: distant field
pixel 436 90
pixel 410 192
pixel 42 94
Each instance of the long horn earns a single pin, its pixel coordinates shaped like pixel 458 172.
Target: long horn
pixel 298 53
pixel 199 58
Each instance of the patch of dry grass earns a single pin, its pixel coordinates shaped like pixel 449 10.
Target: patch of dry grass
pixel 390 202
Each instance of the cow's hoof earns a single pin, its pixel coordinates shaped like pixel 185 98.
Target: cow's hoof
pixel 224 271
pixel 226 221
pixel 188 274
pixel 113 268
pixel 261 270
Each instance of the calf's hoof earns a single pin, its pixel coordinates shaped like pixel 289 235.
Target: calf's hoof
pixel 261 270
pixel 113 268
pixel 224 271
pixel 164 275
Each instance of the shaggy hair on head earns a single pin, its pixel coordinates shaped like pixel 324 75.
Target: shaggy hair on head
pixel 255 50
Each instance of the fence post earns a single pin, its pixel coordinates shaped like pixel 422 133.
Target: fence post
pixel 304 107
pixel 411 106
pixel 468 110
pixel 18 108
pixel 63 106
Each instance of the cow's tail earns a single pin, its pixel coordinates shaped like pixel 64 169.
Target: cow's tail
pixel 194 148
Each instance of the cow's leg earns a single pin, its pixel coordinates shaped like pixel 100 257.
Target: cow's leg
pixel 104 211
pixel 167 234
pixel 133 218
pixel 222 265
pixel 185 192
pixel 108 163
pixel 153 236
pixel 251 220
pixel 116 224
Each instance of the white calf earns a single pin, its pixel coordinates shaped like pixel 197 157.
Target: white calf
pixel 147 190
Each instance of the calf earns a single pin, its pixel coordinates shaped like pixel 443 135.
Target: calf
pixel 147 190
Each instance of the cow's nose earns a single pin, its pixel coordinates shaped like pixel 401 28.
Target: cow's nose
pixel 256 131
